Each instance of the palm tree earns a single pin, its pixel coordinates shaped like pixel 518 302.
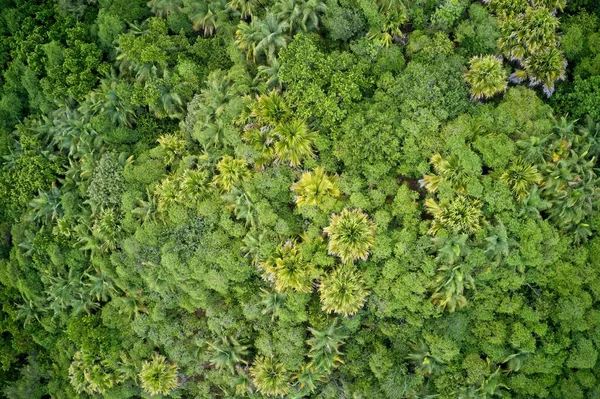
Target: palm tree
pixel 246 8
pixel 452 282
pixel 351 235
pixel 520 177
pixel 270 376
pixel 164 8
pixel 572 181
pixel 534 204
pixel 204 15
pixel 105 231
pixel 307 378
pixel 213 134
pixel 270 109
pixel 253 246
pixel 109 100
pixel 324 346
pixel 194 185
pixel 100 286
pixel 508 6
pixel 303 14
pixel 459 215
pixel 167 194
pixel 527 33
pixel 451 249
pixel 342 291
pixel 273 302
pixel 227 353
pixel 247 37
pixel 158 377
pixel 533 149
pixel 515 361
pixel 294 142
pixel 88 374
pixel 537 29
pixel 314 187
pixel 486 76
pixel 288 270
pixel 169 102
pixel 47 205
pixel 450 170
pixel 261 140
pixel 131 305
pixel 422 357
pixel 146 210
pixel 242 206
pixel 262 38
pixel 173 148
pixel 392 14
pixel 232 172
pixel 271 73
pixel 544 69
pixel 498 243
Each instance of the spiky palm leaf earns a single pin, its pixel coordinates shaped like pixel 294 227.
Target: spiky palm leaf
pixel 448 170
pixel 486 76
pixel 205 15
pixel 246 8
pixel 273 302
pixel 351 235
pixel 227 353
pixel 421 356
pixel 270 376
pixel 452 282
pixel 158 377
pixel 459 215
pixel 520 177
pixel 288 270
pixel 232 172
pixel 172 146
pixel 343 291
pixel 242 206
pixel 314 187
pixel 324 346
pixel 545 69
pixel 270 109
pixel 294 142
pixel 164 8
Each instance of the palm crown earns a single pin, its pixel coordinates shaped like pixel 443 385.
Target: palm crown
pixel 313 187
pixel 351 235
pixel 486 76
pixel 270 376
pixel 158 377
pixel 343 291
pixel 288 270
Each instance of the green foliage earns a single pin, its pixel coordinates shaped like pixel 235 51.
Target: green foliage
pixel 107 183
pixel 216 180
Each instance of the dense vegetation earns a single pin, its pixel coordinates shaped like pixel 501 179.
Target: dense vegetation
pixel 299 198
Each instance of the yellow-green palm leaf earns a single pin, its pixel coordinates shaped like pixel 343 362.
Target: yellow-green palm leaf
pixel 343 291
pixel 351 235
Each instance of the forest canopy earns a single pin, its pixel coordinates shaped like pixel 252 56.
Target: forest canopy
pixel 366 199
